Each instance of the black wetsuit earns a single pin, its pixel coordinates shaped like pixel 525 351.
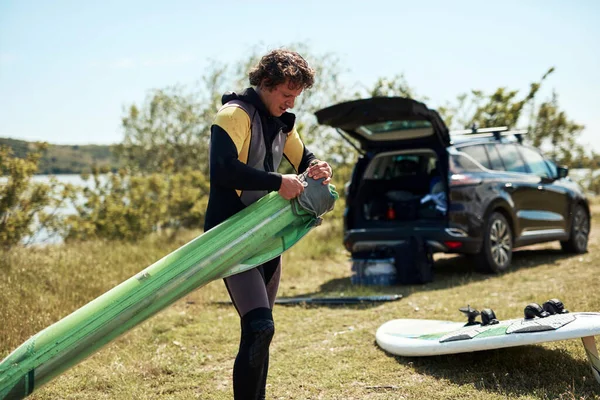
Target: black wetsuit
pixel 252 292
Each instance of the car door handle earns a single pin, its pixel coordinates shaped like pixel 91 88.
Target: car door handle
pixel 541 188
pixel 509 187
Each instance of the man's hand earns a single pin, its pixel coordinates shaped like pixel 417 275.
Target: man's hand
pixel 291 186
pixel 320 169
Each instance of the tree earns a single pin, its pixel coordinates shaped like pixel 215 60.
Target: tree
pixel 552 130
pixel 25 206
pixel 549 128
pixel 172 128
pixel 396 86
pixel 500 108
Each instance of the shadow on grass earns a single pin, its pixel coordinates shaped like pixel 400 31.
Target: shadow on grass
pixel 449 272
pixel 516 371
pixel 356 306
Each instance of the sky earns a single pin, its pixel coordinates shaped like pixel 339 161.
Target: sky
pixel 68 68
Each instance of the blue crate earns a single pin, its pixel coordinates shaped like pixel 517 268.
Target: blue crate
pixel 380 272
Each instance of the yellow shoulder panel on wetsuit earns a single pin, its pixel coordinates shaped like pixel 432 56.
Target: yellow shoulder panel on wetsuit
pixel 236 123
pixel 294 148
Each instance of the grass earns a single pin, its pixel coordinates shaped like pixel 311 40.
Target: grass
pixel 187 351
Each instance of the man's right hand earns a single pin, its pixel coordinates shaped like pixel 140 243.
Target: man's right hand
pixel 291 186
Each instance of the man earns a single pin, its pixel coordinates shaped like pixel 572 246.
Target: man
pixel 250 135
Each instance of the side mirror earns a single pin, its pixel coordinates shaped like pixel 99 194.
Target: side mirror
pixel 562 172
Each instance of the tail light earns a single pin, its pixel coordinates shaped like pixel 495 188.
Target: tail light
pixel 391 213
pixel 464 180
pixel 452 245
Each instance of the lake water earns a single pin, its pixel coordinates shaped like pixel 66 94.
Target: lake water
pixel 42 236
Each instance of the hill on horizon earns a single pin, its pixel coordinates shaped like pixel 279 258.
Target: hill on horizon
pixel 65 159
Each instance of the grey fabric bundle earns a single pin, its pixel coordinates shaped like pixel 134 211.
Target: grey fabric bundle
pixel 316 197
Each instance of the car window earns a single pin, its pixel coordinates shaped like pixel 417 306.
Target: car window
pixel 399 165
pixel 405 165
pixel 494 156
pixel 460 163
pixel 536 162
pixel 478 153
pixel 511 158
pixel 553 169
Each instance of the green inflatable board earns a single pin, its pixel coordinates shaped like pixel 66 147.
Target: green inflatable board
pixel 255 235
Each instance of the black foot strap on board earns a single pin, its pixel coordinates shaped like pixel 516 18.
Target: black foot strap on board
pixel 554 306
pixel 471 315
pixel 488 316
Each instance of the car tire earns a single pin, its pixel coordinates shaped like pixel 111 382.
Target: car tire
pixel 580 230
pixel 496 250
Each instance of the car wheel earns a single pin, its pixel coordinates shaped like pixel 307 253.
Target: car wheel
pixel 496 252
pixel 580 230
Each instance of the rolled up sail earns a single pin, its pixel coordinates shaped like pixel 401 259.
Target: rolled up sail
pixel 253 236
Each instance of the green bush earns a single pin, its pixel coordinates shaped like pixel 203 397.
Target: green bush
pixel 124 206
pixel 24 204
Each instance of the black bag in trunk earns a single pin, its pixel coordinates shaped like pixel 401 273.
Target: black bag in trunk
pixel 414 262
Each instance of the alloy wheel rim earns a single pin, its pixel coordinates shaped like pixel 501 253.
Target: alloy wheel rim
pixel 500 242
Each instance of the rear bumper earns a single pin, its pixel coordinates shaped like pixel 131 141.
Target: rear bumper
pixel 443 240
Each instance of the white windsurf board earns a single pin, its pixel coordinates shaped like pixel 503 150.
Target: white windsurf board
pixel 422 337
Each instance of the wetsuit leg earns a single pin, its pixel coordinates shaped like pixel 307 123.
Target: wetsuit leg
pixel 249 292
pixel 272 274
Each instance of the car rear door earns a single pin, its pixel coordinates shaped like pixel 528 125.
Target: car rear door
pixel 522 188
pixel 387 123
pixel 550 199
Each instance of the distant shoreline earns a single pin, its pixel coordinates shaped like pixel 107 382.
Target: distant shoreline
pixel 60 159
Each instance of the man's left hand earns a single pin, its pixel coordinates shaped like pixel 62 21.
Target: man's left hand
pixel 320 169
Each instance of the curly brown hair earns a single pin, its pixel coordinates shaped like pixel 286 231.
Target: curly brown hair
pixel 281 65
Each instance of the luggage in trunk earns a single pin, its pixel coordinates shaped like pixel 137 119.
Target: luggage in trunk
pixel 402 186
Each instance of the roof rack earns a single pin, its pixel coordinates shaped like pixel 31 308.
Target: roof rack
pixel 495 132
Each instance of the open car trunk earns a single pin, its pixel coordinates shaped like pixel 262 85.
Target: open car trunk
pixel 405 143
pixel 399 188
pixel 400 195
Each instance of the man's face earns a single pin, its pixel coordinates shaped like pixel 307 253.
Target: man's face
pixel 280 98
